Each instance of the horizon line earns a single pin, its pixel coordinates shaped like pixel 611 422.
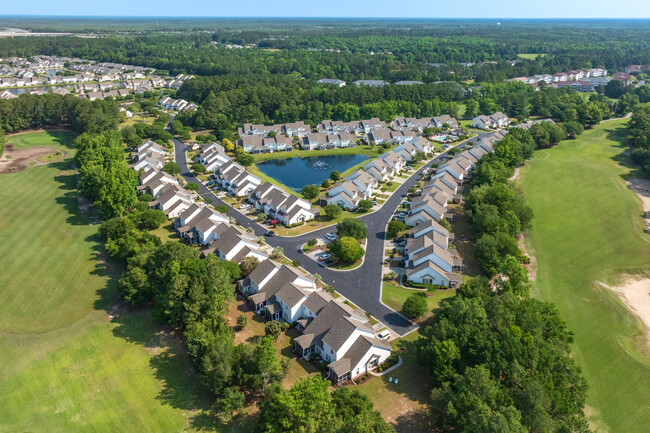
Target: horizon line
pixel 317 17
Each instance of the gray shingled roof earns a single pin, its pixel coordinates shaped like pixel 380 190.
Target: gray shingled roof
pixel 291 294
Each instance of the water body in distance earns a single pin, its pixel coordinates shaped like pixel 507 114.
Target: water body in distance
pixel 298 172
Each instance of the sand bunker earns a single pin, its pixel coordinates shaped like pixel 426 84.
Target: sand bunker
pixel 642 188
pixel 14 160
pixel 635 294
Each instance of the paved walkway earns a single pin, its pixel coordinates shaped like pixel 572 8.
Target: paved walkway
pixel 362 285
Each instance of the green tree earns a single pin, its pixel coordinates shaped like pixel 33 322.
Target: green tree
pixel 273 328
pixel 228 145
pixel 230 401
pixel 352 227
pixel 365 205
pixel 172 168
pixel 474 402
pixel 346 250
pixel 277 253
pixel 149 219
pixel 192 186
pixel 306 407
pixel 394 227
pixel 310 191
pixel 335 176
pixel 573 129
pixel 247 265
pixel 332 211
pixel 415 306
pixel 245 159
pixel 198 168
pixel 241 321
pixel 268 368
pixel 471 108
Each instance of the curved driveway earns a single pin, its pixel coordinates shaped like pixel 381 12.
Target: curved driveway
pixel 362 285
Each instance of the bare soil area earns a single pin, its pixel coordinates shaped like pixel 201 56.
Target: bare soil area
pixel 14 160
pixel 635 295
pixel 532 267
pixel 642 189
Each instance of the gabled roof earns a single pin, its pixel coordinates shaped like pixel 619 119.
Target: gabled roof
pixel 426 225
pixel 328 318
pixel 356 353
pixel 291 294
pixel 434 249
pixel 317 301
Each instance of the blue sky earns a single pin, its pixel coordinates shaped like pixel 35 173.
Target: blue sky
pixel 334 8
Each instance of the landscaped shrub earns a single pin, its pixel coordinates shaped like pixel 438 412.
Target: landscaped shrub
pixel 415 306
pixel 241 321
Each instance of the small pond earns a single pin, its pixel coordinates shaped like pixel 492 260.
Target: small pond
pixel 298 172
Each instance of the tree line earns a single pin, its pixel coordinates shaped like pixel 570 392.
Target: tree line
pixel 639 137
pixel 501 361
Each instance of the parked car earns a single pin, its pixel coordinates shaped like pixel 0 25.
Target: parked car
pixel 374 203
pixel 325 256
pixel 269 233
pixel 384 335
pixel 274 221
pixel 400 215
pixel 330 237
pixel 209 183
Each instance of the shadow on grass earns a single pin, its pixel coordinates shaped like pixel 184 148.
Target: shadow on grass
pixel 170 364
pixel 624 159
pixel 416 421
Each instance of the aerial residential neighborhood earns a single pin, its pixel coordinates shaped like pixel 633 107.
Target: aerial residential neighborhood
pixel 324 218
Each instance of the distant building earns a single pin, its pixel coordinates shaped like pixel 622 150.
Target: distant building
pixel 334 81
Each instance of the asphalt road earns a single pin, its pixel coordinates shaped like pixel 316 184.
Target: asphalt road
pixel 362 285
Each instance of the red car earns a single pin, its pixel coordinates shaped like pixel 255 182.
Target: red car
pixel 274 221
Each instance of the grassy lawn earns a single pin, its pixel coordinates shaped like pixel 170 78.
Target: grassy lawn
pixel 402 404
pixel 59 140
pixel 320 222
pixel 530 56
pixel 166 232
pixel 138 118
pixel 390 188
pixel 67 365
pixel 588 228
pixel 394 295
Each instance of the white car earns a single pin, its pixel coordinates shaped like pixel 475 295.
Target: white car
pixel 325 256
pixel 384 335
pixel 330 237
pixel 400 215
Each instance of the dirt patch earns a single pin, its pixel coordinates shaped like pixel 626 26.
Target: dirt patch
pixel 641 188
pixel 532 267
pixel 635 295
pixel 14 160
pixel 516 175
